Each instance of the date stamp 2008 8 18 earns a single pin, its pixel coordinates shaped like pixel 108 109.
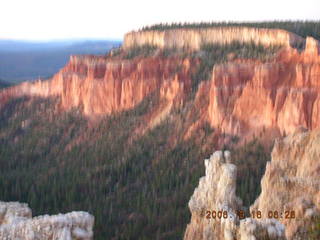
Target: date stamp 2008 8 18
pixel 290 214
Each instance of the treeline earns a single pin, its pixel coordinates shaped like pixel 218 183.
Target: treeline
pixel 302 28
pixel 211 54
pixel 140 51
pixel 221 52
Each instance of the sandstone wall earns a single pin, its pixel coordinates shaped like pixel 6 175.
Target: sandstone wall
pixel 104 86
pixel 248 97
pixel 194 38
pixel 291 182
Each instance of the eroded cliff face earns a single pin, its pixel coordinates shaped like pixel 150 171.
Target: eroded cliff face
pixel 16 223
pixel 195 38
pixel 216 193
pixel 291 182
pixel 250 97
pixel 245 97
pixel 290 191
pixel 102 85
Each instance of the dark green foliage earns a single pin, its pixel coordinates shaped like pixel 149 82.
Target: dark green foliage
pixel 302 28
pixel 167 52
pixel 314 229
pixel 211 54
pixel 251 160
pixel 141 51
pixel 136 187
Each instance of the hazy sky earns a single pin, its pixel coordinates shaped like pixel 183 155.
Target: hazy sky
pixel 59 19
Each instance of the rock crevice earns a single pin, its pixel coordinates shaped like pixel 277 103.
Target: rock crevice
pixel 290 192
pixel 216 193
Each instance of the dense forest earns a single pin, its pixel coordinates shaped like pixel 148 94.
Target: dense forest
pixel 136 185
pixel 302 28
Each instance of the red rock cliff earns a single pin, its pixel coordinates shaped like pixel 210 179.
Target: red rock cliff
pixel 101 85
pixel 248 97
pixel 244 97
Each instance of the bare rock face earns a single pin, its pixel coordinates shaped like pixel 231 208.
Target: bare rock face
pixel 291 182
pixel 289 201
pixel 194 38
pixel 216 192
pixel 245 97
pixel 102 86
pixel 16 223
pixel 312 46
pixel 260 229
pixel 215 195
pixel 248 97
pixel 12 211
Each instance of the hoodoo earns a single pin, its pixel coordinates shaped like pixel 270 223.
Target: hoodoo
pixel 250 98
pixel 289 201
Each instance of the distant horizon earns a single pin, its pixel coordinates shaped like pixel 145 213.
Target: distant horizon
pixel 59 40
pixel 44 20
pixel 79 39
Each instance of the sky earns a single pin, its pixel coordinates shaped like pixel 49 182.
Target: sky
pixel 98 19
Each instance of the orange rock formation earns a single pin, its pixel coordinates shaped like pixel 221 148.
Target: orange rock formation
pixel 245 97
pixel 248 97
pixel 103 86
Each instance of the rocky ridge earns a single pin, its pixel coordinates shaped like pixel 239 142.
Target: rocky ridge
pixel 194 39
pixel 290 185
pixel 103 86
pixel 16 222
pixel 249 98
pixel 216 193
pixel 291 182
